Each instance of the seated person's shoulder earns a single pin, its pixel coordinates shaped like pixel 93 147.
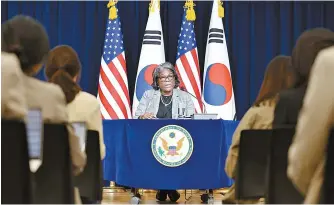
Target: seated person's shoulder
pixel 183 94
pixel 327 55
pixel 259 109
pixel 256 110
pixel 8 58
pixel 88 98
pixel 10 64
pixel 51 91
pixel 149 93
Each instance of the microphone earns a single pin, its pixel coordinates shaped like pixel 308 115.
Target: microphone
pixel 235 116
pixel 185 90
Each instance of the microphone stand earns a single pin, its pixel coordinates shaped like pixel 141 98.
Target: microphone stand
pixel 184 89
pixel 204 107
pixel 235 117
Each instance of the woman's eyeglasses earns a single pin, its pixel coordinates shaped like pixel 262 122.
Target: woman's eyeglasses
pixel 165 78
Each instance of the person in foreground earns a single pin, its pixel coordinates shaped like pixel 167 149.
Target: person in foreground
pixel 316 119
pixel 307 47
pixel 13 102
pixel 27 39
pixel 278 77
pixel 162 102
pixel 63 68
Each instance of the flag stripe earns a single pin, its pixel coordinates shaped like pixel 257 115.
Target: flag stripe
pixel 191 78
pixel 194 54
pixel 190 74
pixel 118 85
pixel 105 104
pixel 111 100
pixel 115 95
pixel 186 83
pixel 184 76
pixel 123 65
pixel 180 76
pixel 120 76
pixel 194 70
pixel 104 112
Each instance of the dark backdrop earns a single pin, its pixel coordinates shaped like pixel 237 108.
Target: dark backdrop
pixel 255 32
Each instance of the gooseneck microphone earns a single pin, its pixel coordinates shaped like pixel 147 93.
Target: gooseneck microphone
pixel 235 116
pixel 185 90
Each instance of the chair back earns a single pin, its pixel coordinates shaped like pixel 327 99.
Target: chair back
pixel 328 185
pixel 280 189
pixel 15 171
pixel 252 163
pixel 53 180
pixel 90 182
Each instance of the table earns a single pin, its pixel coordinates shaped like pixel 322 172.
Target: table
pixel 129 160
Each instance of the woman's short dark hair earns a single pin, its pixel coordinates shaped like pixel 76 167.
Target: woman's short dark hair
pixel 27 38
pixel 157 70
pixel 278 76
pixel 307 47
pixel 62 66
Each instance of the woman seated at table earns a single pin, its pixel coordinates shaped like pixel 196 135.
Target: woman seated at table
pixel 278 77
pixel 162 102
pixel 164 99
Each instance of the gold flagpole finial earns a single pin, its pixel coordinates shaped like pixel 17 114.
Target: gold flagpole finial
pixel 112 9
pixel 190 15
pixel 220 9
pixel 153 5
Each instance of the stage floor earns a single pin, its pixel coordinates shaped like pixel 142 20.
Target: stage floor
pixel 111 196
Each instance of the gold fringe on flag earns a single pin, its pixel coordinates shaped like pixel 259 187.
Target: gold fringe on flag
pixel 220 9
pixel 190 15
pixel 152 5
pixel 112 9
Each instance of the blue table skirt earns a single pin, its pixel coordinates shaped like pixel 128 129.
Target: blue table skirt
pixel 129 160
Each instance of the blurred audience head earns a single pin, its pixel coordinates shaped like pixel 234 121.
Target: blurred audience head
pixel 307 47
pixel 27 38
pixel 63 68
pixel 278 76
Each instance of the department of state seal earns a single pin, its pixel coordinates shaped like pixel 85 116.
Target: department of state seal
pixel 172 145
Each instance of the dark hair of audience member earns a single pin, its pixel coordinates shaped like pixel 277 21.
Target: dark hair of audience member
pixel 27 38
pixel 307 47
pixel 62 68
pixel 278 76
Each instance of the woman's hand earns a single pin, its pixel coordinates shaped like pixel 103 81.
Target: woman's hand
pixel 147 116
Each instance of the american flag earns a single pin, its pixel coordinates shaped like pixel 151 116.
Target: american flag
pixel 187 62
pixel 113 91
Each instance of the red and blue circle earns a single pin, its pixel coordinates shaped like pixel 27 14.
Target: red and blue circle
pixel 144 80
pixel 218 85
